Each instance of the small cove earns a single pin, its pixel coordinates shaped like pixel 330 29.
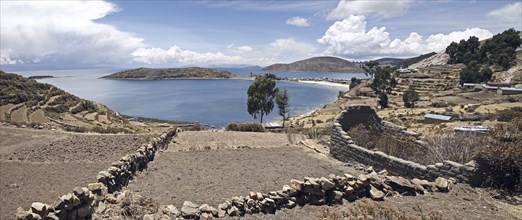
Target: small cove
pixel 214 102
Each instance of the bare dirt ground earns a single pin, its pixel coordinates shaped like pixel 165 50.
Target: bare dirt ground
pixel 211 176
pixel 40 165
pixel 190 170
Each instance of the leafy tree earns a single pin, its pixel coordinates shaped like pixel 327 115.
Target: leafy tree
pixel 501 49
pixel 261 96
pixel 371 68
pixel 409 97
pixel 472 73
pixel 283 103
pixel 383 100
pixel 384 80
pixel 465 51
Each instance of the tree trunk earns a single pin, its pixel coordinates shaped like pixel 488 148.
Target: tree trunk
pixel 261 118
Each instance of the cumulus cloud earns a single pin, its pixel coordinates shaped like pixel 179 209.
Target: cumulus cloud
pixel 62 32
pixel 351 37
pixel 383 9
pixel 175 55
pixel 280 50
pixel 298 21
pixel 511 13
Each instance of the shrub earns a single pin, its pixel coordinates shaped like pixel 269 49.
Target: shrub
pixel 509 114
pixel 245 127
pixel 317 133
pixel 232 126
pixel 439 104
pixel 500 157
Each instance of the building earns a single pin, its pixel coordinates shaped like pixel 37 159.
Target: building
pixel 509 91
pixel 272 125
pixel 434 118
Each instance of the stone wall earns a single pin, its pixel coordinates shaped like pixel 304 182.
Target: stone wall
pixel 81 202
pixel 343 148
pixel 310 191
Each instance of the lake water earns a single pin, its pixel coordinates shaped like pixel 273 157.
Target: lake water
pixel 214 102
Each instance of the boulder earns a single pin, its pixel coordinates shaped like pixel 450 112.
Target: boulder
pixel 401 185
pixel 208 209
pixel 296 184
pixel 40 209
pixel 290 204
pixel 376 194
pixel 442 184
pixel 172 210
pixel 95 187
pixel 233 211
pixel 190 210
pixel 326 184
pixel 222 213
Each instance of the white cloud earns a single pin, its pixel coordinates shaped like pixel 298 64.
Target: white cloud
pixel 298 21
pixel 280 50
pixel 511 13
pixel 383 9
pixel 176 55
pixel 350 37
pixel 62 32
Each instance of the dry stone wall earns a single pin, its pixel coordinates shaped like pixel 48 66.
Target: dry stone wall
pixel 81 202
pixel 343 148
pixel 330 190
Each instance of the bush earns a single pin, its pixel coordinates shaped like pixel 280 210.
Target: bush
pixel 500 157
pixel 317 133
pixel 509 114
pixel 439 104
pixel 245 127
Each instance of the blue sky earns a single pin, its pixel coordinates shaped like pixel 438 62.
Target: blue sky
pixel 91 34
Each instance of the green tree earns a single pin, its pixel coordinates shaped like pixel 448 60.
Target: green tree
pixel 409 97
pixel 283 104
pixel 473 73
pixel 384 80
pixel 383 100
pixel 261 96
pixel 371 68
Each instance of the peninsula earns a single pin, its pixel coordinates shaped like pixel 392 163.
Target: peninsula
pixel 171 73
pixel 318 64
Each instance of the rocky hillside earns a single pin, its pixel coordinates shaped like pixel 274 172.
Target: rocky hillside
pixel 172 73
pixel 318 64
pixel 26 102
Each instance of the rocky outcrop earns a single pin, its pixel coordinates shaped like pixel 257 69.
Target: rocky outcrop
pixel 343 148
pixel 83 201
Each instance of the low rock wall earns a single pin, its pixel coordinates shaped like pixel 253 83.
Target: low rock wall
pixel 80 203
pixel 343 148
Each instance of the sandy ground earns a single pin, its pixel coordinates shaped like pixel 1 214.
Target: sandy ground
pixel 41 165
pixel 337 85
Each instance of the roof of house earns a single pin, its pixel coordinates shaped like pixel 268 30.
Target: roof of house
pixel 438 117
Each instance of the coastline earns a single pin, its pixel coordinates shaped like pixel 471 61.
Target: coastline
pixel 346 86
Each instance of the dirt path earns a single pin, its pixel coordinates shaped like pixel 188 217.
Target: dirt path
pixel 41 165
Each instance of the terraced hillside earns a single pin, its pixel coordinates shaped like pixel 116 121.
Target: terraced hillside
pixel 30 103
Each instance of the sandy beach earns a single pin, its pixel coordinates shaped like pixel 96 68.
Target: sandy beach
pixel 339 85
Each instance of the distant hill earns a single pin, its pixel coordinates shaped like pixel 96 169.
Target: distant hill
pixel 27 102
pixel 318 64
pixel 172 73
pixel 390 61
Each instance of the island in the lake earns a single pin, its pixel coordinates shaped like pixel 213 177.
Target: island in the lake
pixel 40 77
pixel 171 73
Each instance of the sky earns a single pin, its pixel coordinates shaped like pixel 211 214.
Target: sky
pixel 100 34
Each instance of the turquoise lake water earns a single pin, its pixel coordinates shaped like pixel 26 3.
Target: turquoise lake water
pixel 213 102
